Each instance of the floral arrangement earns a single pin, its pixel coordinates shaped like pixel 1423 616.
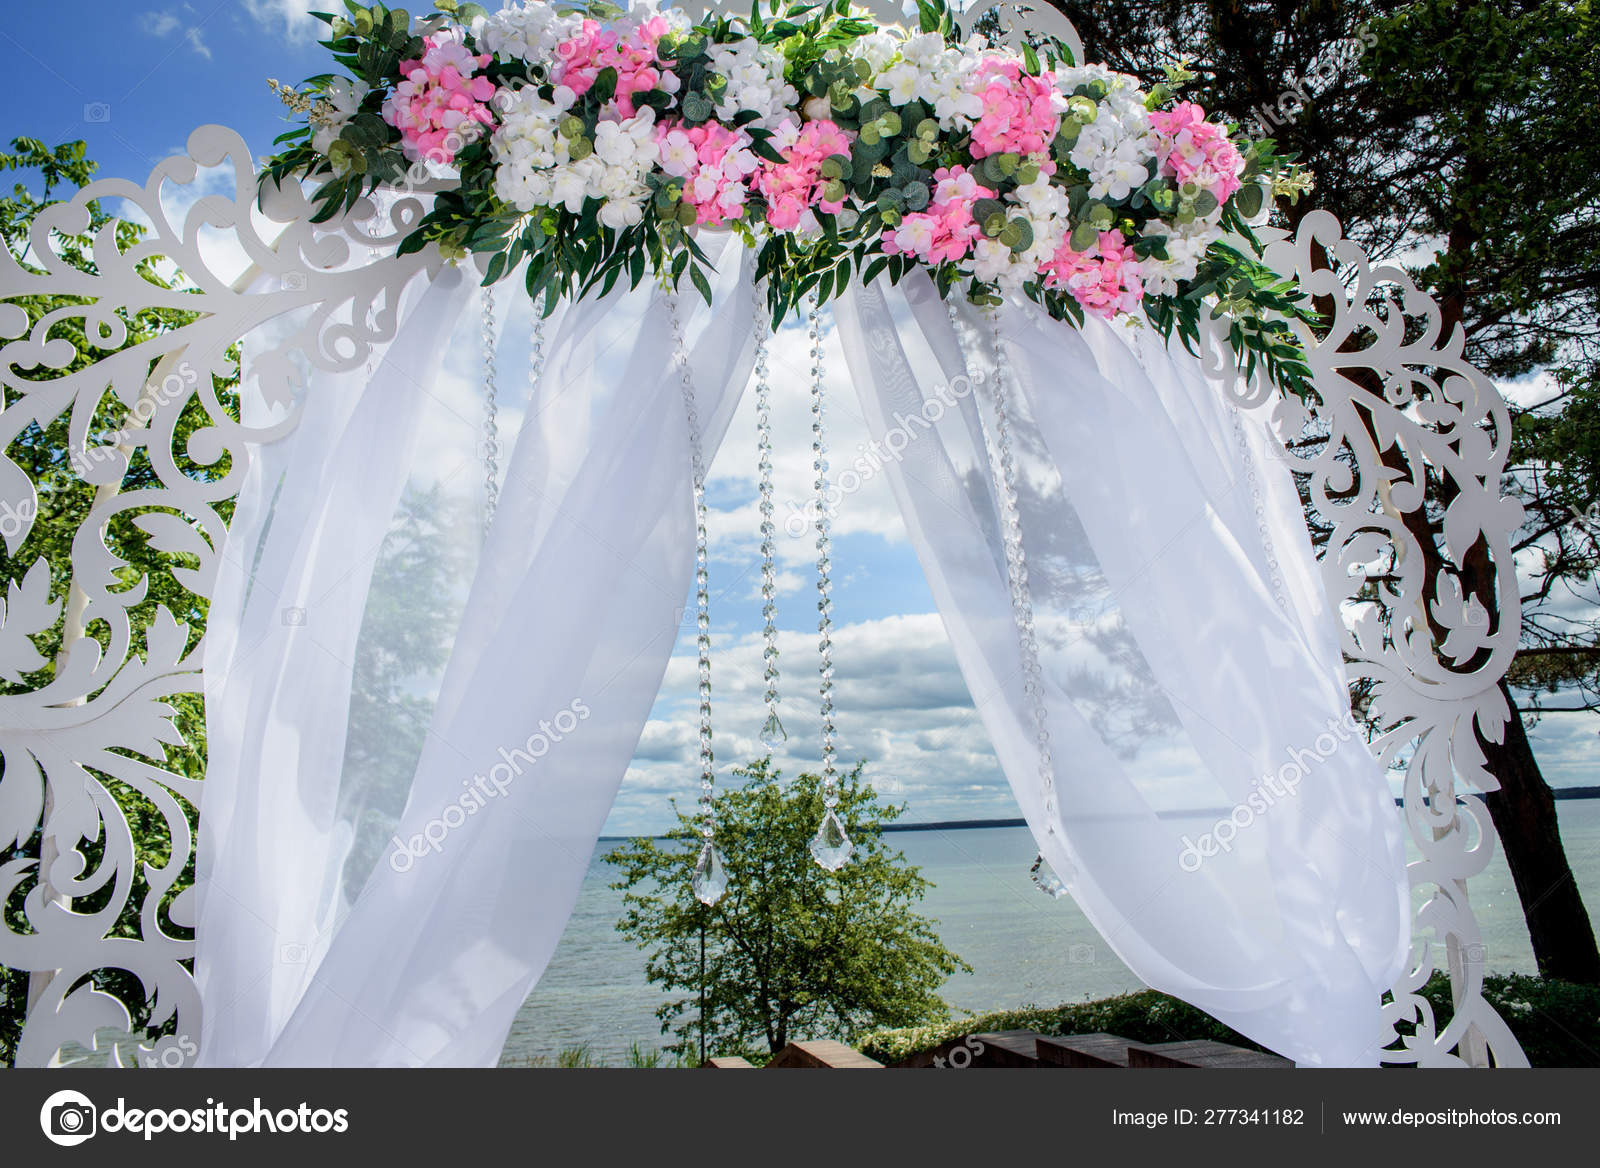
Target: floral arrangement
pixel 596 144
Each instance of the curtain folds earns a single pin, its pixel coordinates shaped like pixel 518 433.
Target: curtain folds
pixel 1180 695
pixel 391 845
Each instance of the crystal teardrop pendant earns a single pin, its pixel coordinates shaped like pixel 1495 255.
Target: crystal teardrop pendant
pixel 773 735
pixel 710 878
pixel 1045 879
pixel 830 846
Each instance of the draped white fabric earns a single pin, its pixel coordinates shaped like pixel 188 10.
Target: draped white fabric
pixel 1173 680
pixel 415 740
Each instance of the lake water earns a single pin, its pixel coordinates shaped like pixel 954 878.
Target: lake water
pixel 1024 947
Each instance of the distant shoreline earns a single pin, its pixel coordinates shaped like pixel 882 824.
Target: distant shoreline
pixel 1560 793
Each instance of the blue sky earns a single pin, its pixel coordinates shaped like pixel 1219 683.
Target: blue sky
pixel 133 79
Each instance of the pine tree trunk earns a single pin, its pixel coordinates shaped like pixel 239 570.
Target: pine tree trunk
pixel 1524 814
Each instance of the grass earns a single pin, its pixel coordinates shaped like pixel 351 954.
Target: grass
pixel 582 1057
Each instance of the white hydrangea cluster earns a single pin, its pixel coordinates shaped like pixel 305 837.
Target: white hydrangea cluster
pixel 535 166
pixel 754 73
pixel 1117 146
pixel 878 49
pixel 528 146
pixel 1186 247
pixel 1046 208
pixel 527 32
pixel 931 71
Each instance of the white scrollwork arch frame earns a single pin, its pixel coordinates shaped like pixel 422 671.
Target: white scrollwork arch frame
pixel 1392 401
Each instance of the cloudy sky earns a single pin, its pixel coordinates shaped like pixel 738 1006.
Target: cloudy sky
pixel 132 79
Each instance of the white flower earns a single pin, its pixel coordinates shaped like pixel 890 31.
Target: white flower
pixel 527 145
pixel 1115 167
pixel 900 82
pixel 990 259
pixel 1186 246
pixel 525 32
pixel 340 100
pixel 754 73
pixel 569 186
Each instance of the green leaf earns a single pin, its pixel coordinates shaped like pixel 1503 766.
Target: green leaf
pixel 701 282
pixel 1248 200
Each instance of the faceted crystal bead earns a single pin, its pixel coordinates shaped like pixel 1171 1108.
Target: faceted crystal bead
pixel 710 878
pixel 773 734
pixel 830 846
pixel 1046 880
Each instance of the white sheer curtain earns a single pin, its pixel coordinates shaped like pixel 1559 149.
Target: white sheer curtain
pixel 415 737
pixel 1174 681
pixel 329 933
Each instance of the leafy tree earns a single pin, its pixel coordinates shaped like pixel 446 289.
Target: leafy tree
pixel 1450 137
pixel 791 951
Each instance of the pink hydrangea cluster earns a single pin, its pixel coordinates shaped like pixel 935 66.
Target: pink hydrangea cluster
pixel 1106 279
pixel 795 185
pixel 944 231
pixel 1021 113
pixel 632 54
pixel 440 103
pixel 1192 149
pixel 715 163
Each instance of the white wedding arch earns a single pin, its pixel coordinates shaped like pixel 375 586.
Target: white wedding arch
pixel 320 301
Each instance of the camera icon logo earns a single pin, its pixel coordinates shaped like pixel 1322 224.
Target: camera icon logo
pixel 294 617
pixel 97 112
pixel 68 1118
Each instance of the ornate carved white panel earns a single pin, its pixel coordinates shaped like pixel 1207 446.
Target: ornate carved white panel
pixel 328 293
pixel 1400 407
pixel 325 303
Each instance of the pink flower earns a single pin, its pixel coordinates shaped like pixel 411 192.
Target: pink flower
pixel 715 163
pixel 1106 279
pixel 441 102
pixel 1021 113
pixel 1191 149
pixel 946 230
pixel 580 60
pixel 795 185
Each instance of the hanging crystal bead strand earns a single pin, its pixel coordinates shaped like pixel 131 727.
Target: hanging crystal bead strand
pixel 831 847
pixel 1258 501
pixel 491 425
pixel 1003 464
pixel 710 878
pixel 773 734
pixel 536 352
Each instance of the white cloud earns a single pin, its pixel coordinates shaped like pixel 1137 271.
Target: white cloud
pixel 168 21
pixel 291 17
pixel 901 705
pixel 160 24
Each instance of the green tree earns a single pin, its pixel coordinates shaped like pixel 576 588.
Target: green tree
pixel 791 951
pixel 1451 137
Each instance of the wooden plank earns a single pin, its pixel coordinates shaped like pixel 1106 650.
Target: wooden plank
pixel 1203 1052
pixel 1081 1051
pixel 822 1053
